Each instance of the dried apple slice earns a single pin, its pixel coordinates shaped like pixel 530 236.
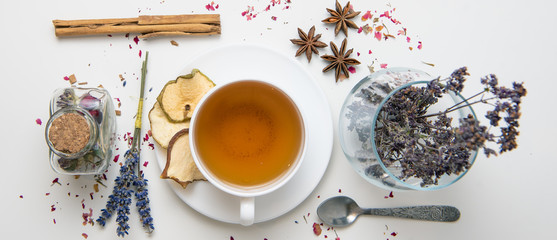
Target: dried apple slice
pixel 179 98
pixel 162 129
pixel 180 166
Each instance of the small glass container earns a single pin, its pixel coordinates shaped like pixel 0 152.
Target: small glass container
pixel 81 130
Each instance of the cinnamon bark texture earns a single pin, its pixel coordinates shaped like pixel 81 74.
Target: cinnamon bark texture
pixel 147 25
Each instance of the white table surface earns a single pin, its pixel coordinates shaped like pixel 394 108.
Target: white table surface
pixel 508 197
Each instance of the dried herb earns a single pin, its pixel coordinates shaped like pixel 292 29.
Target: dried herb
pixel 427 145
pixel 131 180
pixel 341 17
pixel 340 60
pixel 308 43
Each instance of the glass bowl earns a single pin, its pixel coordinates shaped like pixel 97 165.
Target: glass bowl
pixel 357 119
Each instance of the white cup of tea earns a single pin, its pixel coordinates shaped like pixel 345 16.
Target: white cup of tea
pixel 248 138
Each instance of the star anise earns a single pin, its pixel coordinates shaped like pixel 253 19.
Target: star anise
pixel 308 43
pixel 340 60
pixel 340 17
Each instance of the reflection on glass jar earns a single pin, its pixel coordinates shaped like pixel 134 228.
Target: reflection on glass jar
pixel 81 130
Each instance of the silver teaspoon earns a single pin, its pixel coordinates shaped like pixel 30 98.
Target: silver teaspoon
pixel 342 211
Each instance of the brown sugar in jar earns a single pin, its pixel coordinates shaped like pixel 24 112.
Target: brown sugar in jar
pixel 80 131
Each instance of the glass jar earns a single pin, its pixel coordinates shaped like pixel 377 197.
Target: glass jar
pixel 357 122
pixel 81 130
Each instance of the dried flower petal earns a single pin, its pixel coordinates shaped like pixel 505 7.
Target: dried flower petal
pixel 378 36
pixel 367 16
pixel 316 229
pixel 55 181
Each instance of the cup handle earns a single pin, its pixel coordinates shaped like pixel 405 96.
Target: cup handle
pixel 247 211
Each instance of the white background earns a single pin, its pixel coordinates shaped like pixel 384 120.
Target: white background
pixel 508 197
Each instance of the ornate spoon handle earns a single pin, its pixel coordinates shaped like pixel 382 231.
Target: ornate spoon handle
pixel 429 213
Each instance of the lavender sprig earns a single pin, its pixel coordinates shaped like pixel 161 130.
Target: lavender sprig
pixel 142 203
pixel 128 183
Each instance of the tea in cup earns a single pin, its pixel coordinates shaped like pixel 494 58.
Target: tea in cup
pixel 248 138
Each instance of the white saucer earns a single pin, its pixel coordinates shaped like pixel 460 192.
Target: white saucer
pixel 242 61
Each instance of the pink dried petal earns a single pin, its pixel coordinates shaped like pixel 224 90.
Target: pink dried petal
pixel 369 52
pixel 52 208
pixel 366 16
pixel 407 39
pixel 152 146
pixel 420 45
pixel 351 69
pixel 274 18
pixel 139 53
pixel 391 195
pixel 210 7
pixel 378 36
pixel 127 35
pixel 383 65
pixel 39 121
pixel 316 229
pixel 146 163
pixel 66 78
pixel 360 30
pixel 116 158
pixel 394 234
pixel 130 46
pixel 85 235
pixel 136 40
pixel 358 53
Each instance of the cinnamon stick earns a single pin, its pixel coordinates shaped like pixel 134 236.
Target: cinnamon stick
pixel 147 25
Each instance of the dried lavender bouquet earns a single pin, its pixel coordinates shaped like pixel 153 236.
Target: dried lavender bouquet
pixel 427 145
pixel 131 180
